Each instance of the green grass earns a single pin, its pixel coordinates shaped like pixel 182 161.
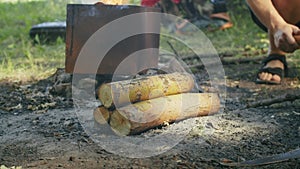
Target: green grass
pixel 22 60
pixel 244 38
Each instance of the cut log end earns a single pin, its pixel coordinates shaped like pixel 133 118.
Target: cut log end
pixel 105 95
pixel 102 115
pixel 120 125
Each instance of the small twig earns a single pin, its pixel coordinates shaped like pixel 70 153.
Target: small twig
pixel 3 108
pixel 174 50
pixel 267 160
pixel 268 102
pixel 229 61
pixel 178 57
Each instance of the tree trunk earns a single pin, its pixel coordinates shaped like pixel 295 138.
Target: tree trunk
pixel 130 91
pixel 141 116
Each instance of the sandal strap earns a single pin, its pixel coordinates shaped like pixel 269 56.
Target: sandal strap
pixel 273 71
pixel 279 57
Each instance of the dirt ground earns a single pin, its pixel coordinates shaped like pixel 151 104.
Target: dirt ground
pixel 40 129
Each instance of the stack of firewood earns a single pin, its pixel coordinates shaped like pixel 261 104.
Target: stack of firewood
pixel 133 106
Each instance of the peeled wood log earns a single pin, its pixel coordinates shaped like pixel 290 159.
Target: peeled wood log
pixel 130 91
pixel 102 115
pixel 141 116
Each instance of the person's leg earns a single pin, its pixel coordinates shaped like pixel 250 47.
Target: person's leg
pixel 289 10
pixel 220 12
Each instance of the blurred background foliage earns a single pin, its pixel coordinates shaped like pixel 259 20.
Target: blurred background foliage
pixel 21 60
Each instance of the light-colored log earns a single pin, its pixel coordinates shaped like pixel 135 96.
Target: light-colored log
pixel 102 115
pixel 130 91
pixel 141 116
